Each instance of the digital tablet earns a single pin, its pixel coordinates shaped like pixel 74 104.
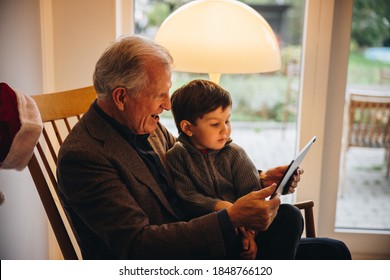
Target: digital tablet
pixel 283 185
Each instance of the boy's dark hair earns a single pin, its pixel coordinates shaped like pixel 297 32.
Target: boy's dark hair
pixel 197 98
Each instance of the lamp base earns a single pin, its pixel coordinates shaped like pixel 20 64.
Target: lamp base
pixel 215 77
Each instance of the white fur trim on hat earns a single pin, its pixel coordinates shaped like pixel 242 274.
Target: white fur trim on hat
pixel 27 137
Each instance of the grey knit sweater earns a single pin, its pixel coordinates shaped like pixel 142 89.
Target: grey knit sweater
pixel 201 180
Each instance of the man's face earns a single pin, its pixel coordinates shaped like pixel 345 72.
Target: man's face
pixel 142 112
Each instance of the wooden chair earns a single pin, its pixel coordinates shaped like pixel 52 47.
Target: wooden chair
pixel 59 112
pixel 367 124
pixel 307 208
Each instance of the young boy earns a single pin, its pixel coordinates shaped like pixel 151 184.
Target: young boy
pixel 210 171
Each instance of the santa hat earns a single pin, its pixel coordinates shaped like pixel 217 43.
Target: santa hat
pixel 20 128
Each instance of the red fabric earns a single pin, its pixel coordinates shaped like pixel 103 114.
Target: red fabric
pixel 9 119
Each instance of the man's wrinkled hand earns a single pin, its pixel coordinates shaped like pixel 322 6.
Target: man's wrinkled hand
pixel 253 211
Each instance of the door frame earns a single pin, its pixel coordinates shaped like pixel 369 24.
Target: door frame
pixel 325 53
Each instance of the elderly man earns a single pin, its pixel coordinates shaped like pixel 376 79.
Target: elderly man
pixel 116 188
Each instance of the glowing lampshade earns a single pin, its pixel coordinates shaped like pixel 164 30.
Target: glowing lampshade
pixel 219 37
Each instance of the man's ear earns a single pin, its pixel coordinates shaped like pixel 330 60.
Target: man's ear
pixel 118 96
pixel 186 127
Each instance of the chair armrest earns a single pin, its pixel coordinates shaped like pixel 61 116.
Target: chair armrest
pixel 307 207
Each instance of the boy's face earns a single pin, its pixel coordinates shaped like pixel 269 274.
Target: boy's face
pixel 212 131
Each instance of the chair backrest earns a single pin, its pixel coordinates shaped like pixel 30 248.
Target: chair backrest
pixel 60 111
pixel 368 121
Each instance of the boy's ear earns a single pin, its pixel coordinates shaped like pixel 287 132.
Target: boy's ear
pixel 186 126
pixel 118 97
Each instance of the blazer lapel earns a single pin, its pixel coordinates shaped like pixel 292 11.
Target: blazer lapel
pixel 117 146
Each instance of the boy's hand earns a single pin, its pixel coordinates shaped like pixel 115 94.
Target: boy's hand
pixel 274 175
pixel 248 244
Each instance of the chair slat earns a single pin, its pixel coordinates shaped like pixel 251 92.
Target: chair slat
pixel 57 132
pixel 368 119
pixel 47 165
pixel 67 124
pixel 49 144
pixel 55 107
pixel 51 210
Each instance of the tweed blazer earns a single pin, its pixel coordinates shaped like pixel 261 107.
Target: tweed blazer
pixel 115 206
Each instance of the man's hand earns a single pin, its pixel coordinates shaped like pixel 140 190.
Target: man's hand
pixel 274 175
pixel 252 211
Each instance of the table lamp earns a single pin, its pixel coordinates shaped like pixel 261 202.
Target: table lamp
pixel 219 37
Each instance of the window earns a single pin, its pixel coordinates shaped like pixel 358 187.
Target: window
pixel 265 106
pixel 364 193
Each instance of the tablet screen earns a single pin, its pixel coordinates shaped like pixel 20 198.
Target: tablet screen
pixel 283 185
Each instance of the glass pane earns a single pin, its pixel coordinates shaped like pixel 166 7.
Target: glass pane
pixel 265 106
pixel 364 191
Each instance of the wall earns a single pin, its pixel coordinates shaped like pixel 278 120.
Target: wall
pixel 46 45
pixel 23 225
pixel 82 31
